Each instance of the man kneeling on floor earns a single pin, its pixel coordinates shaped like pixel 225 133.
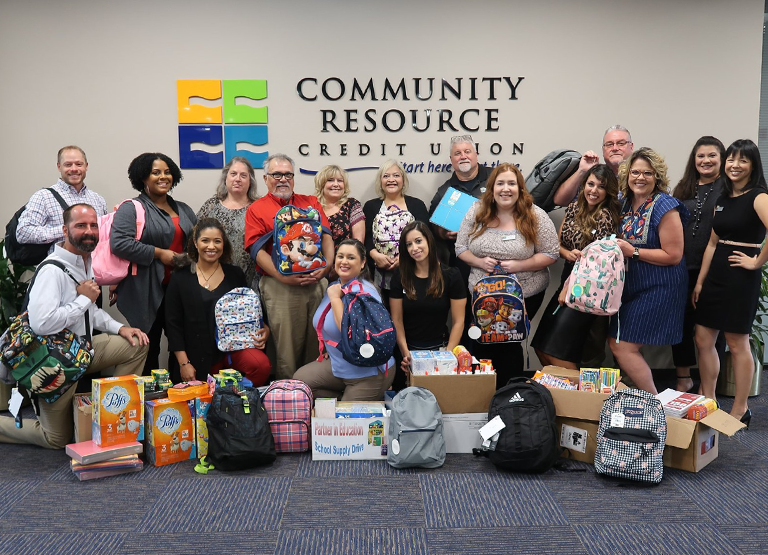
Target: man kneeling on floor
pixel 55 303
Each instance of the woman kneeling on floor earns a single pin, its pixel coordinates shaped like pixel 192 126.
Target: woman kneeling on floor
pixel 333 376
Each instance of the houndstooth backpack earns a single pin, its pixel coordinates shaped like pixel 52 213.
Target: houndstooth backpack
pixel 631 437
pixel 238 316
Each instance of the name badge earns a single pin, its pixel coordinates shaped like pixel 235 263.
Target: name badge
pixel 511 237
pixel 718 208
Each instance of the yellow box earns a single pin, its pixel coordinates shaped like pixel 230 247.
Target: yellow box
pixel 170 431
pixel 118 410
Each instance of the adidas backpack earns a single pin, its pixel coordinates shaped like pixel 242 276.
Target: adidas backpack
pixel 498 310
pixel 296 239
pixel 416 430
pixel 239 435
pixel 289 408
pixel 108 268
pixel 238 315
pixel 549 173
pixel 387 227
pixel 631 437
pixel 597 279
pixel 529 441
pixel 367 332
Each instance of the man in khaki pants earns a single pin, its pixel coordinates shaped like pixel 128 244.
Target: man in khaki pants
pixel 55 303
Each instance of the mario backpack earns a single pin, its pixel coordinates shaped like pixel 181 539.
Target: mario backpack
pixel 498 311
pixel 296 240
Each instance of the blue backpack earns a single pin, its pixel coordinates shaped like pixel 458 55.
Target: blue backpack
pixel 498 310
pixel 367 334
pixel 296 239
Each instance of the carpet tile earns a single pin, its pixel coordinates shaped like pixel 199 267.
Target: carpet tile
pixel 354 503
pixel 740 495
pixel 751 539
pixel 201 542
pixel 367 541
pixel 552 540
pixel 472 500
pixel 92 506
pixel 13 493
pixel 29 461
pixel 61 543
pixel 332 469
pixel 284 466
pixel 654 539
pixel 227 504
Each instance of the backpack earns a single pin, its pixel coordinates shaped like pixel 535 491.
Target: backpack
pixel 297 241
pixel 415 430
pixel 27 254
pixel 45 365
pixel 367 333
pixel 239 435
pixel 238 315
pixel 530 440
pixel 631 436
pixel 108 268
pixel 597 279
pixel 387 228
pixel 548 174
pixel 498 310
pixel 289 408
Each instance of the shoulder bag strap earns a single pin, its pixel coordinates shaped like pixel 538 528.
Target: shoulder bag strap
pixel 59 198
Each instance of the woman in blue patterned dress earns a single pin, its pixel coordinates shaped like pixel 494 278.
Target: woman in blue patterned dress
pixel 653 302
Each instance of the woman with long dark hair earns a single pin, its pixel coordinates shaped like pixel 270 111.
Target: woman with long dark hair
pixel 422 295
pixel 728 286
pixel 594 215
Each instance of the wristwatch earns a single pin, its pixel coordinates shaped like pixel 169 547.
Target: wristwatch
pixel 636 254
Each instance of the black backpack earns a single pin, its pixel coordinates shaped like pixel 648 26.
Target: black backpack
pixel 529 442
pixel 548 174
pixel 239 435
pixel 27 254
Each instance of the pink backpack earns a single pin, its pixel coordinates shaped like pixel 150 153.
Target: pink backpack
pixel 289 408
pixel 109 269
pixel 597 279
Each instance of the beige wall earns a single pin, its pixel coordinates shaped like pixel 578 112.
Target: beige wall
pixel 103 75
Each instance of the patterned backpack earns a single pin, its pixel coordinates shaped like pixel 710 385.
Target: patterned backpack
pixel 238 315
pixel 289 407
pixel 597 279
pixel 108 268
pixel 498 311
pixel 296 237
pixel 631 437
pixel 387 228
pixel 367 332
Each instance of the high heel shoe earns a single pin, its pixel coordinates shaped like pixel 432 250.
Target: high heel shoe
pixel 746 418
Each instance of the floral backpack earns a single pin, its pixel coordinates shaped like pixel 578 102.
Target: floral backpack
pixel 597 279
pixel 388 225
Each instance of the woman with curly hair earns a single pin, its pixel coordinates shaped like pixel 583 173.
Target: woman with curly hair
pixel 653 301
pixel 505 230
pixel 167 224
pixel 594 215
pixel 203 277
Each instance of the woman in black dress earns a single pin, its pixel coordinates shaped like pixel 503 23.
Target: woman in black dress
pixel 728 285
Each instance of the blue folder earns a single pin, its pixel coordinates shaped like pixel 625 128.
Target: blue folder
pixel 452 209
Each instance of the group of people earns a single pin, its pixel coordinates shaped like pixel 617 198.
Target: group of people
pixel 693 268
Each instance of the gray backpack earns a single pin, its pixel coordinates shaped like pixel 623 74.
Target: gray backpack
pixel 548 174
pixel 416 430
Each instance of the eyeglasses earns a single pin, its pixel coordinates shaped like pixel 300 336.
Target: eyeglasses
pixel 647 174
pixel 277 176
pixel 611 144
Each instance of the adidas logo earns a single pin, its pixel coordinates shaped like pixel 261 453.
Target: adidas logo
pixel 516 398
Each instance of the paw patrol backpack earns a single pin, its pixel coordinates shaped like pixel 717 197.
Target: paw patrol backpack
pixel 498 311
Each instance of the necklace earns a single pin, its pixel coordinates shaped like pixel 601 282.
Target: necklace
pixel 208 279
pixel 699 206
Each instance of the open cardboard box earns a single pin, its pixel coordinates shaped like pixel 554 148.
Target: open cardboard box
pixel 83 418
pixel 460 393
pixel 690 445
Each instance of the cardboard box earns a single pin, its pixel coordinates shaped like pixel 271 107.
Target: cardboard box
pixel 83 416
pixel 461 431
pixel 118 410
pixel 690 445
pixel 349 438
pixel 460 393
pixel 170 431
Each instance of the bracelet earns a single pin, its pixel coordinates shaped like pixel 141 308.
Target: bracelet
pixel 184 363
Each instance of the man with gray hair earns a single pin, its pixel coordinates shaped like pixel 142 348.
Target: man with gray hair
pixel 617 147
pixel 290 301
pixel 468 177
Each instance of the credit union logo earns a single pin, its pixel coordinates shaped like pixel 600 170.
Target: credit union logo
pixel 213 132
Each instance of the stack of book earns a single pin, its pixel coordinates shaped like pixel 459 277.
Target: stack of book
pixel 676 403
pixel 90 461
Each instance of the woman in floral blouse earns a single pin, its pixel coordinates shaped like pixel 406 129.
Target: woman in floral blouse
pixel 344 213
